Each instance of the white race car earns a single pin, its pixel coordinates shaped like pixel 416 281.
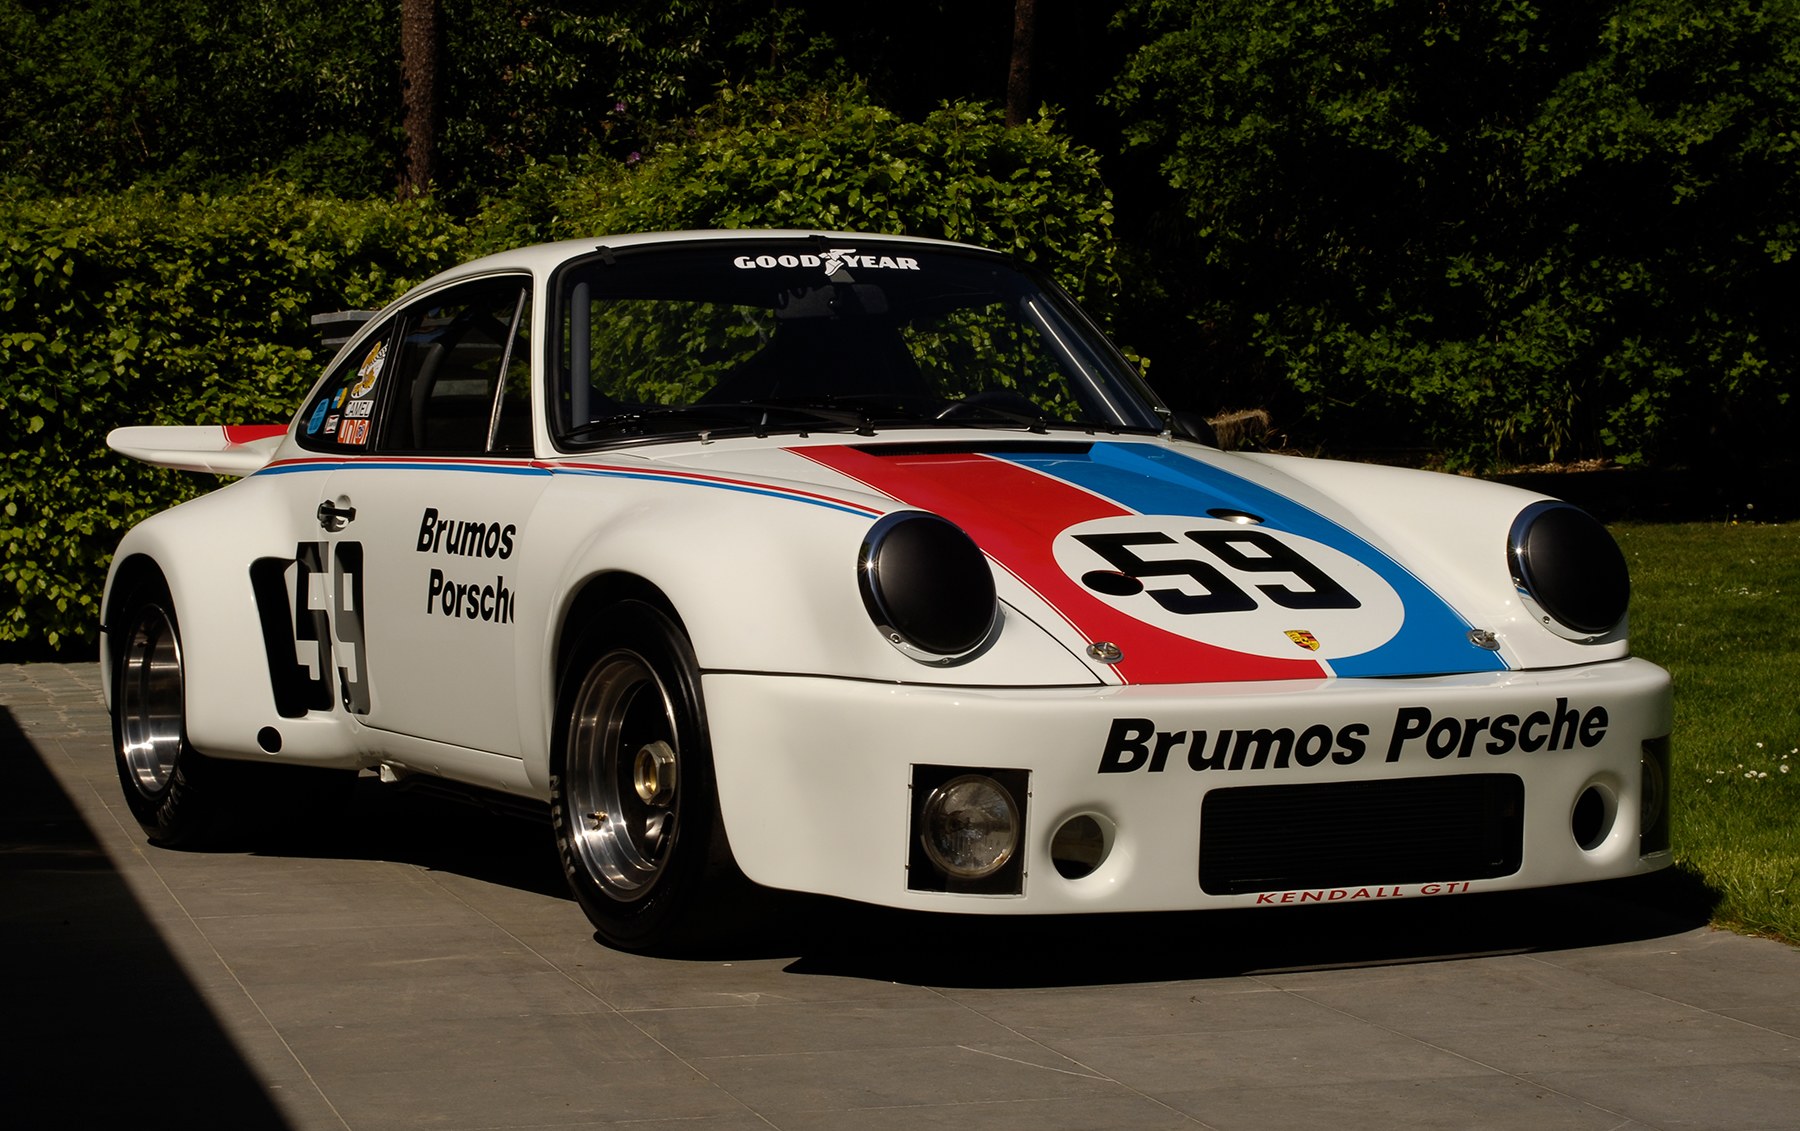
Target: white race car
pixel 866 567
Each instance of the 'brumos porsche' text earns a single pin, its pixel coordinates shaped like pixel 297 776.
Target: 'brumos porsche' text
pixel 477 599
pixel 1138 744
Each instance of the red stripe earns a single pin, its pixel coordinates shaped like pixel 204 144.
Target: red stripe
pixel 697 477
pixel 1015 514
pixel 245 433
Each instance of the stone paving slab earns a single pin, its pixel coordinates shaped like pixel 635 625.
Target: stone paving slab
pixel 424 968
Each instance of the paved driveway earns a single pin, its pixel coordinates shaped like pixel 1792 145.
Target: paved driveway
pixel 424 968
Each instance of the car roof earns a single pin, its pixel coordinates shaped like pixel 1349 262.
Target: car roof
pixel 541 259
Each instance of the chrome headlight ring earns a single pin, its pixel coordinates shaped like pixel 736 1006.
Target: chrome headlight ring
pixel 1569 573
pixel 927 587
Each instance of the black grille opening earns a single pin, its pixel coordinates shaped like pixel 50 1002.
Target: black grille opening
pixel 1361 834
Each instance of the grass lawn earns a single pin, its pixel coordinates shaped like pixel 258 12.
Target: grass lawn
pixel 1719 606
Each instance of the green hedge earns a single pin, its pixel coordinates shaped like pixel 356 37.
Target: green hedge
pixel 836 160
pixel 1512 231
pixel 150 308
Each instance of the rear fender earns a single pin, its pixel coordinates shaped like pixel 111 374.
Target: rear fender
pixel 228 641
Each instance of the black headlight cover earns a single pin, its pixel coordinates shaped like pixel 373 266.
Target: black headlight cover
pixel 1568 570
pixel 927 586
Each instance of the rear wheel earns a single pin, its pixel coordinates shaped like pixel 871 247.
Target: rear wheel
pixel 632 796
pixel 178 795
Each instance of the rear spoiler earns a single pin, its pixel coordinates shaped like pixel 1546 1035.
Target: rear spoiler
pixel 223 449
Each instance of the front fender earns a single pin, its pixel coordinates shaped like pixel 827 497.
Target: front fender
pixel 766 585
pixel 761 584
pixel 1451 532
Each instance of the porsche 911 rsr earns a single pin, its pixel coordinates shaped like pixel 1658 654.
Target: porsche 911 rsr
pixel 866 567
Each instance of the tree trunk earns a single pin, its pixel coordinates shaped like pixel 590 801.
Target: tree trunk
pixel 418 95
pixel 1018 76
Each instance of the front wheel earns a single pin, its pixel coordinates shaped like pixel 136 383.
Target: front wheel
pixel 633 803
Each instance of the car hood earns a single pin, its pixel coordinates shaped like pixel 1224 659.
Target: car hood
pixel 1164 562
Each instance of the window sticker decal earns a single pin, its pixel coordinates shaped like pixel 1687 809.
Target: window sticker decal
pixel 834 260
pixel 369 372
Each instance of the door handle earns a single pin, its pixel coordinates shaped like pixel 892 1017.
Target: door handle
pixel 333 517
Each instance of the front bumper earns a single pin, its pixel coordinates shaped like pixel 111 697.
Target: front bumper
pixel 815 777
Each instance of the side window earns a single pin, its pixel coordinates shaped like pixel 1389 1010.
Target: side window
pixel 340 418
pixel 461 372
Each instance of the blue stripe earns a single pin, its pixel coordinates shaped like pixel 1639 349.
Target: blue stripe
pixel 503 469
pixel 289 470
pixel 1433 639
pixel 373 465
pixel 682 481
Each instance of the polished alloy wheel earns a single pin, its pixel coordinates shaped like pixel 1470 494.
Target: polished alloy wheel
pixel 150 698
pixel 624 795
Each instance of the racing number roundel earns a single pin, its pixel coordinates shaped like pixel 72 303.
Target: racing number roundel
pixel 1247 588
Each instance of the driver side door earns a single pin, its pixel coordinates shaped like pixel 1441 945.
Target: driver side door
pixel 422 523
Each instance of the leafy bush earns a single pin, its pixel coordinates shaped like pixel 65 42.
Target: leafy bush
pixel 147 308
pixel 109 92
pixel 834 160
pixel 215 93
pixel 1514 230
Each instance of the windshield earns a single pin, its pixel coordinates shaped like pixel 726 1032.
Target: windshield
pixel 800 335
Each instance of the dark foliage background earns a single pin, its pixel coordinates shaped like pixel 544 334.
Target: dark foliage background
pixel 1478 235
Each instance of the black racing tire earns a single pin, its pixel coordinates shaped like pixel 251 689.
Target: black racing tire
pixel 179 796
pixel 632 796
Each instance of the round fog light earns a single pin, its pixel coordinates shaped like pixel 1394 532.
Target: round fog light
pixel 970 827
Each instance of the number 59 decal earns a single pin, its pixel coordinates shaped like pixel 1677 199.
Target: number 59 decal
pixel 1247 589
pixel 328 618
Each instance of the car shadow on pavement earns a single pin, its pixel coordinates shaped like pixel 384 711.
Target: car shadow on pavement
pixel 102 1025
pixel 836 938
pixel 475 835
pixel 1035 951
pixel 825 937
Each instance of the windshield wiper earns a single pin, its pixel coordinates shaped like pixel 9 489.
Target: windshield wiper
pixel 642 420
pixel 859 422
pixel 976 413
pixel 654 419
